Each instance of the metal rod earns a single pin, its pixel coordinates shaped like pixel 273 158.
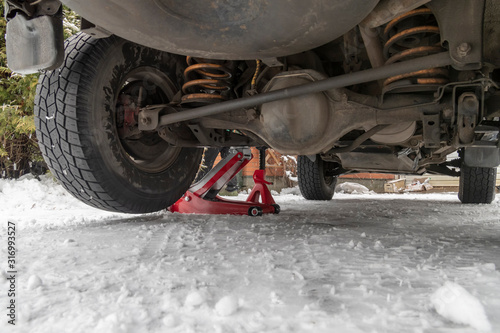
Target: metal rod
pixel 359 140
pixel 373 74
pixel 262 158
pixel 373 46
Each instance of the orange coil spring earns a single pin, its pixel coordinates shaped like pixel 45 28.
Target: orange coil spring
pixel 412 35
pixel 206 83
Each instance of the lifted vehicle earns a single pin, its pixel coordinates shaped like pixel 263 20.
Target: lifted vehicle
pixel 124 107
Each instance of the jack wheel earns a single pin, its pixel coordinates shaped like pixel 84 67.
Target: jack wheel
pixel 277 209
pixel 255 211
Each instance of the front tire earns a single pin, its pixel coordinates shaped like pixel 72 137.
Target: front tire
pixel 91 143
pixel 477 185
pixel 315 182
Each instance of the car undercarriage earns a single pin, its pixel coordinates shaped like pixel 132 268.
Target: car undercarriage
pixel 124 108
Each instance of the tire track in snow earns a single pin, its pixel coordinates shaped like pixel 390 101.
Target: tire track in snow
pixel 159 239
pixel 173 236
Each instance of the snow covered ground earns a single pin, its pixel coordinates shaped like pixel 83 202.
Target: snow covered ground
pixel 360 263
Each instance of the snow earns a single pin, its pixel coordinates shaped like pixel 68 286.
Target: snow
pixel 227 305
pixel 455 303
pixel 44 204
pixel 195 299
pixel 360 263
pixel 34 282
pixel 352 188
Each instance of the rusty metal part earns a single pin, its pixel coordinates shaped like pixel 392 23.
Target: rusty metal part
pixel 468 111
pixel 436 60
pixel 255 75
pixel 463 49
pixel 126 116
pixel 412 35
pixel 433 81
pixel 211 84
pixel 414 53
pixel 385 11
pixel 424 76
pixel 403 17
pixel 373 46
pixel 406 34
pixel 465 26
pixel 209 99
pixel 284 126
pixel 206 82
pixel 206 69
pixel 359 140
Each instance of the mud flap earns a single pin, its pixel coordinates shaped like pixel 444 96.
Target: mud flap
pixel 479 157
pixel 34 44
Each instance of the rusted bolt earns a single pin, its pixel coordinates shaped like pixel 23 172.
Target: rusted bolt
pixel 463 49
pixel 146 121
pixel 447 113
pixel 470 103
pixel 252 114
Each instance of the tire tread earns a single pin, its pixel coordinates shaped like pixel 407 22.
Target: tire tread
pixel 63 134
pixel 477 185
pixel 311 180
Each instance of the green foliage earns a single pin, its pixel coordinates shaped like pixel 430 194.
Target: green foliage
pixel 18 145
pixel 71 22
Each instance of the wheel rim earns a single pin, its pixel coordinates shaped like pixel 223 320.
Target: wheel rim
pixel 146 150
pixel 329 180
pixel 327 177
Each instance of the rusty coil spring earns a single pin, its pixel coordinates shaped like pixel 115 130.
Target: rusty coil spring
pixel 412 35
pixel 206 83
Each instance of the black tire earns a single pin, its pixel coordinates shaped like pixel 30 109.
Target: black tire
pixel 477 185
pixel 314 181
pixel 80 126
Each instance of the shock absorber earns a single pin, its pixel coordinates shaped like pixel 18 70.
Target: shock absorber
pixel 206 82
pixel 412 35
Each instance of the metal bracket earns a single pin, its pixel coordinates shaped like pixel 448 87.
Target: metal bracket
pixel 272 62
pixel 148 119
pixel 31 9
pixel 206 136
pixel 468 110
pixel 432 130
pixel 93 30
pixel 463 32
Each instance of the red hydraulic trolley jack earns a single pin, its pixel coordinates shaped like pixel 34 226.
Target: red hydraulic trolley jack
pixel 202 197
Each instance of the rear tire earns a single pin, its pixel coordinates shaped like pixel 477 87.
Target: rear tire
pixel 314 181
pixel 477 185
pixel 87 144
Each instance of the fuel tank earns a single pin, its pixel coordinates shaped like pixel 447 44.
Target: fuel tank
pixel 226 29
